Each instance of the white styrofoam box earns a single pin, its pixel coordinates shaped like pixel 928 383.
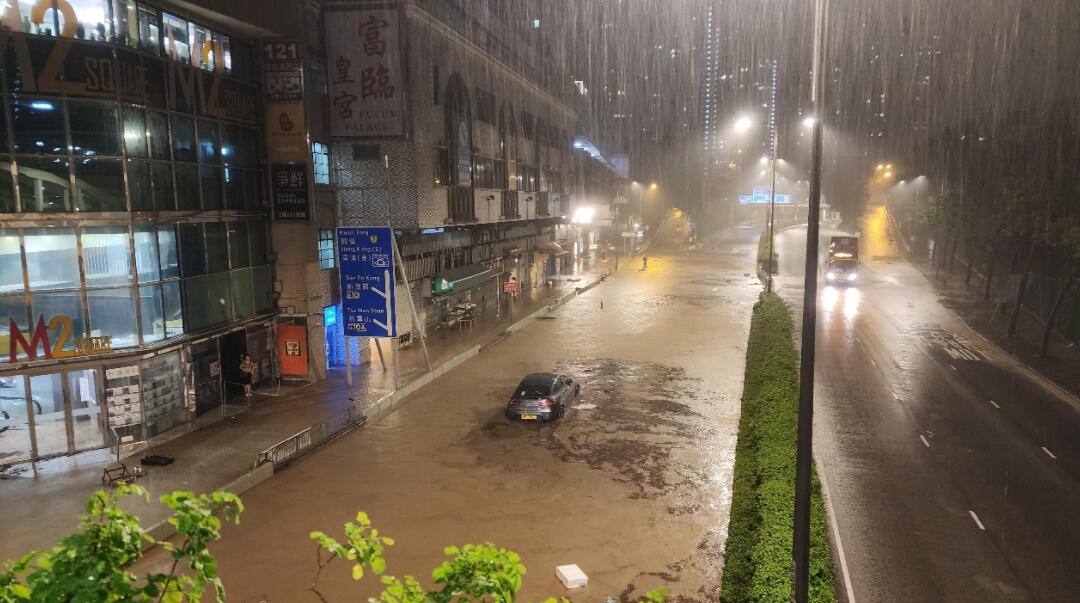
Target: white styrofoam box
pixel 571 576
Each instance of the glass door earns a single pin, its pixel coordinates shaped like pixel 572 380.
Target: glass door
pixel 50 422
pixel 14 420
pixel 88 422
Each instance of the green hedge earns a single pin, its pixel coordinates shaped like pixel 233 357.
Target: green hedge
pixel 757 560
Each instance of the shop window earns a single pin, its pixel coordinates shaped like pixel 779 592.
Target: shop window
pixel 135 132
pixel 220 298
pixel 106 258
pixel 320 161
pixel 51 258
pixel 44 185
pixel 142 195
pixel 239 255
pixel 253 189
pixel 94 129
pixel 167 254
pixel 241 293
pixel 146 254
pixel 485 107
pixel 151 313
pixel 217 247
pixel 187 187
pixel 192 250
pixel 39 126
pixel 257 241
pixel 112 314
pixel 161 178
pixel 224 44
pixel 262 291
pixel 326 248
pixel 183 138
pixel 208 142
pixel 251 148
pixel 202 49
pixel 210 178
pixel 13 307
pixel 15 421
pixel 61 303
pixel 87 423
pixel 11 278
pixel 234 188
pixel 230 144
pixel 174 310
pixel 177 40
pixel 48 25
pixel 157 135
pixel 196 303
pixel 127 23
pixel 50 423
pixel 101 184
pixel 149 29
pixel 93 17
pixel 7 188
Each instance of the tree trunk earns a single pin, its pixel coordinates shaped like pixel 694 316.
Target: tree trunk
pixel 989 278
pixel 1014 318
pixel 1050 320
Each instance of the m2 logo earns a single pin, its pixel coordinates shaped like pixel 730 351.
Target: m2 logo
pixel 39 339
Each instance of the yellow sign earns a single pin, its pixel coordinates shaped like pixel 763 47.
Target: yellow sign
pixel 286 132
pixel 39 339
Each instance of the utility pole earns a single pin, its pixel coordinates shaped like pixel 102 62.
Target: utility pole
pixel 772 187
pixel 804 443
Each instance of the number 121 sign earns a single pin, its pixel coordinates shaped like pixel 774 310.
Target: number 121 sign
pixel 366 264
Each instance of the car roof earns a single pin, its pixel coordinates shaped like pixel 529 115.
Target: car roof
pixel 538 378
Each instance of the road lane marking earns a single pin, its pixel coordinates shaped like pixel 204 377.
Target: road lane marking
pixel 1048 453
pixel 994 404
pixel 836 532
pixel 924 441
pixel 953 367
pixel 873 363
pixel 977 522
pixel 895 397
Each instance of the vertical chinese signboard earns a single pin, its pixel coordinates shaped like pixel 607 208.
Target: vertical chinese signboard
pixel 366 262
pixel 286 130
pixel 366 77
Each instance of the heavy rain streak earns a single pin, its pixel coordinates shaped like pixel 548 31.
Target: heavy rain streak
pixel 650 300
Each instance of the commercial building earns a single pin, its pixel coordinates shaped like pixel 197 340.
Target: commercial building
pixel 171 175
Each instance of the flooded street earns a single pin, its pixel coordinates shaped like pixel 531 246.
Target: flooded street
pixel 633 484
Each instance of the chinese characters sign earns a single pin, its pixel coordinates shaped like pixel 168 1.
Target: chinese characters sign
pixel 290 184
pixel 366 261
pixel 283 79
pixel 365 73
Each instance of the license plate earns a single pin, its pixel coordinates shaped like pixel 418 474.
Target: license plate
pixel 528 417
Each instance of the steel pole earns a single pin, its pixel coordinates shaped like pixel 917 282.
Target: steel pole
pixel 804 442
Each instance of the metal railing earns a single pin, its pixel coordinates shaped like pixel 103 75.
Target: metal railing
pixel 292 447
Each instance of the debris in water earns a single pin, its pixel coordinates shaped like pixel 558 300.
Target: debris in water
pixel 571 576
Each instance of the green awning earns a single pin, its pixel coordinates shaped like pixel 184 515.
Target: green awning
pixel 460 279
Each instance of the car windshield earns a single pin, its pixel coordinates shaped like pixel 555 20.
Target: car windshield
pixel 842 265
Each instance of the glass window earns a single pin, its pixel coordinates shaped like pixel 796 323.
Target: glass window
pixel 326 248
pixel 39 126
pixel 157 134
pixel 106 260
pixel 201 47
pixel 241 291
pixel 11 279
pixel 50 422
pixel 220 298
pixel 239 256
pixel 167 252
pixel 251 148
pixel 61 303
pixel 93 16
pixel 14 308
pixel 253 195
pixel 7 187
pixel 225 46
pixel 192 250
pixel 14 422
pixel 48 25
pixel 44 184
pixel 211 186
pixel 234 188
pixel 101 184
pixel 208 142
pixel 177 43
pixel 196 303
pixel 112 314
pixel 261 289
pixel 162 179
pixel 142 196
pixel 240 60
pixel 51 258
pixel 217 248
pixel 151 313
pixel 174 310
pixel 135 132
pixel 187 187
pixel 125 23
pixel 183 138
pixel 257 242
pixel 230 144
pixel 146 254
pixel 94 128
pixel 149 29
pixel 88 422
pixel 320 156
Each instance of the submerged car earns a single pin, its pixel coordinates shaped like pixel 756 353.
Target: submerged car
pixel 542 397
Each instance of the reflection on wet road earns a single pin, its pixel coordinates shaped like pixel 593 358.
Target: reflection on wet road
pixel 931 443
pixel 633 484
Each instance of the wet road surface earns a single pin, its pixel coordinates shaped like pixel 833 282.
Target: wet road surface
pixel 633 484
pixel 953 475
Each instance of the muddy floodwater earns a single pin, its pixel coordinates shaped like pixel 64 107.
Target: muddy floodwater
pixel 633 484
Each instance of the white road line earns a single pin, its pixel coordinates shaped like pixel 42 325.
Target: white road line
pixel 994 404
pixel 873 363
pixel 977 522
pixel 836 532
pixel 1048 453
pixel 924 441
pixel 895 397
pixel 953 367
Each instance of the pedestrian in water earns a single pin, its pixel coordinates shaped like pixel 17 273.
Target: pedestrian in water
pixel 644 262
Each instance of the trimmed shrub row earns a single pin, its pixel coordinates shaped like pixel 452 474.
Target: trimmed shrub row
pixel 757 559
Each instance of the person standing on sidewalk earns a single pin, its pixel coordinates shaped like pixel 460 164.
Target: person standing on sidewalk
pixel 247 366
pixel 644 262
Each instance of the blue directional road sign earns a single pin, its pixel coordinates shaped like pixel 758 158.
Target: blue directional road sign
pixel 366 264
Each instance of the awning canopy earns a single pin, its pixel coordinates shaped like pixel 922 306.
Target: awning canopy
pixel 550 248
pixel 460 279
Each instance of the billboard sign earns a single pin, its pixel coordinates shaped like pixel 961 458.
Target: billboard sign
pixel 366 261
pixel 366 74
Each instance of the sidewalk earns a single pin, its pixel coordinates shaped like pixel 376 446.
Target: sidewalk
pixel 211 455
